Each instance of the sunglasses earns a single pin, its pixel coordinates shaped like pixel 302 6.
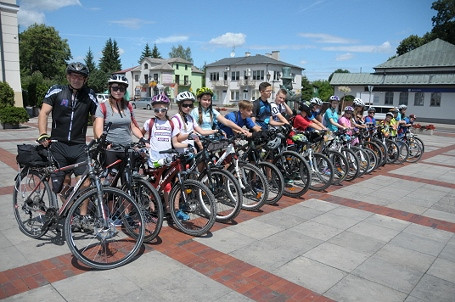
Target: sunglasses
pixel 187 105
pixel 160 110
pixel 117 88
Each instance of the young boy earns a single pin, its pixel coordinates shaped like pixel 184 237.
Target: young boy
pixel 280 108
pixel 241 118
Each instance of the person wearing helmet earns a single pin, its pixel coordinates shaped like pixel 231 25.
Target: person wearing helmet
pixel 315 110
pixel 346 119
pixel 357 116
pixel 301 120
pixel 208 117
pixel 387 125
pixel 280 109
pixel 185 122
pixel 400 117
pixel 70 105
pixel 370 121
pixel 241 118
pixel 330 119
pixel 117 111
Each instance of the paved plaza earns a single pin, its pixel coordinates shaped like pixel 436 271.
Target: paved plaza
pixel 388 236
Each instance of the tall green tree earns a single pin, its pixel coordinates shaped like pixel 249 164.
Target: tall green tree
pixel 147 52
pixel 110 60
pixel 409 43
pixel 324 88
pixel 444 21
pixel 89 61
pixel 42 49
pixel 155 53
pixel 307 89
pixel 180 52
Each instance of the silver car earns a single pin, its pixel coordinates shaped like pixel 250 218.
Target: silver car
pixel 143 103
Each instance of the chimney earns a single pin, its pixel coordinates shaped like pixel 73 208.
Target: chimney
pixel 247 54
pixel 276 55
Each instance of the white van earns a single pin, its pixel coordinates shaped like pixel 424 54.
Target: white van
pixel 381 110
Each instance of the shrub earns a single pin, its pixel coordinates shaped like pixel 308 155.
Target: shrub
pixel 13 115
pixel 6 95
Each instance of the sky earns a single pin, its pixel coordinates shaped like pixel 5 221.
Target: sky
pixel 317 35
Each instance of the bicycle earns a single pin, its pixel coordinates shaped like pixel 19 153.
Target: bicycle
pixel 93 239
pixel 191 203
pixel 125 172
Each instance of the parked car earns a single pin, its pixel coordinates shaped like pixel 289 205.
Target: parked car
pixel 143 103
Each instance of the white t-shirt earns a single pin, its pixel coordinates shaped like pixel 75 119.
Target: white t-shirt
pixel 277 109
pixel 160 138
pixel 179 123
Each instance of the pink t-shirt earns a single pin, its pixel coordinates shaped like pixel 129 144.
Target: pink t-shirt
pixel 346 123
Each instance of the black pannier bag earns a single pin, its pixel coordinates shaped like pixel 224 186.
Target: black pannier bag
pixel 31 155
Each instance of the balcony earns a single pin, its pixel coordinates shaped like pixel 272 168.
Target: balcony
pixel 247 82
pixel 223 83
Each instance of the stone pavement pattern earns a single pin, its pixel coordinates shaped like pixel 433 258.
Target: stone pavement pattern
pixel 388 236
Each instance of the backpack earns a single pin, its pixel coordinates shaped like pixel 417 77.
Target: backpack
pixel 104 110
pixel 152 122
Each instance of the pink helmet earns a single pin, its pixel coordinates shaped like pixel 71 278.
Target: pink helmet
pixel 160 99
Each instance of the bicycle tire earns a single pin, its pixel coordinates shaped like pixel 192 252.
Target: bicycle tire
pixel 340 165
pixel 364 160
pixel 149 200
pixel 393 152
pixel 274 179
pixel 198 204
pixel 255 188
pixel 403 152
pixel 383 149
pixel 353 162
pixel 419 141
pixel 30 211
pixel 104 246
pixel 415 152
pixel 378 151
pixel 296 169
pixel 372 158
pixel 322 171
pixel 226 189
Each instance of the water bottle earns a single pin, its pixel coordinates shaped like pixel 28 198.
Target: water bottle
pixel 161 162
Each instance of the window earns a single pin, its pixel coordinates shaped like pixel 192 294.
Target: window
pixel 388 98
pixel 235 76
pixel 177 79
pixel 146 78
pixel 176 66
pixel 214 76
pixel 403 98
pixel 186 67
pixel 258 75
pixel 225 76
pixel 235 95
pixel 418 99
pixel 186 80
pixel 155 77
pixel 146 66
pixel 435 99
pixel 136 78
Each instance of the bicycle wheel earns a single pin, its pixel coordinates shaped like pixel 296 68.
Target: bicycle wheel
pixel 420 142
pixel 340 165
pixel 364 160
pixel 254 185
pixel 403 152
pixel 193 210
pixel 415 151
pixel 378 151
pixel 149 200
pixel 227 192
pixel 373 159
pixel 274 179
pixel 353 162
pixel 98 241
pixel 296 173
pixel 31 200
pixel 322 171
pixel 383 149
pixel 393 152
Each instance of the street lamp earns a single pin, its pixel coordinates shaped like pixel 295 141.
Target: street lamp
pixel 268 76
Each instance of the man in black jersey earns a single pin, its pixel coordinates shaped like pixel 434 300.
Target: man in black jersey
pixel 70 106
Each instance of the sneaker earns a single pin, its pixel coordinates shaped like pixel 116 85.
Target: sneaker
pixel 182 215
pixel 86 223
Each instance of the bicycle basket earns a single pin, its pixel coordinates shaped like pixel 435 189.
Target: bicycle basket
pixel 217 145
pixel 31 155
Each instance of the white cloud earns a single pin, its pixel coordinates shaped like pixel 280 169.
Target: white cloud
pixel 171 39
pixel 303 62
pixel 344 57
pixel 229 40
pixel 281 47
pixel 32 11
pixel 383 48
pixel 132 23
pixel 326 38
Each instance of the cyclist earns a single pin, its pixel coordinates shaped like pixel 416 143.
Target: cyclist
pixel 206 116
pixel 241 118
pixel 401 113
pixel 117 111
pixel 70 106
pixel 388 125
pixel 331 115
pixel 357 116
pixel 301 120
pixel 369 119
pixel 185 123
pixel 262 110
pixel 315 112
pixel 394 122
pixel 280 109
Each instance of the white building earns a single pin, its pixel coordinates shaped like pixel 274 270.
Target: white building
pixel 423 79
pixel 9 48
pixel 238 78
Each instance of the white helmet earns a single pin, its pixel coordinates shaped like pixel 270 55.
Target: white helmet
pixel 358 102
pixel 117 78
pixel 316 101
pixel 274 143
pixel 185 96
pixel 402 107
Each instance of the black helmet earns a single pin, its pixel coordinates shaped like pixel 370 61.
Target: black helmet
pixel 77 67
pixel 303 106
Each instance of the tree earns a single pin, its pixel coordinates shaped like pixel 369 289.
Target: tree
pixel 145 53
pixel 41 49
pixel 410 43
pixel 35 88
pixel 89 61
pixel 339 70
pixel 110 61
pixel 325 90
pixel 444 21
pixel 180 52
pixel 155 53
pixel 98 80
pixel 307 89
pixel 6 95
